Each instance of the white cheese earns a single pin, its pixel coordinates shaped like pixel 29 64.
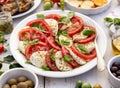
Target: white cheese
pixel 54 25
pixel 90 46
pixel 66 25
pixel 76 58
pixel 60 63
pixel 38 58
pixel 21 47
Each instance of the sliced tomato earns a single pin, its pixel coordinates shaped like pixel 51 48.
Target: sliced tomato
pixel 90 38
pixel 30 49
pixel 73 63
pixel 53 16
pixel 55 1
pixel 86 57
pixel 50 63
pixel 47 28
pixel 77 26
pixel 2 2
pixel 1 48
pixel 60 26
pixel 52 42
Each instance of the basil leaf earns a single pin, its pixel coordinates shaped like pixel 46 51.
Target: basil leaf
pixel 0 65
pixel 63 42
pixel 35 41
pixel 67 58
pixel 14 65
pixel 39 27
pixel 63 32
pixel 116 21
pixel 1 72
pixel 108 19
pixel 64 19
pixel 28 62
pixel 45 68
pixel 57 39
pixel 88 32
pixel 81 48
pixel 52 54
pixel 40 16
pixel 26 41
pixel 8 59
pixel 71 14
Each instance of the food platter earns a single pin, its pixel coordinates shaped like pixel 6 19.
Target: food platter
pixel 21 59
pixel 36 4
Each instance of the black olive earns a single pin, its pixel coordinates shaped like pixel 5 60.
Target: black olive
pixel 118 77
pixel 118 72
pixel 116 64
pixel 114 74
pixel 114 69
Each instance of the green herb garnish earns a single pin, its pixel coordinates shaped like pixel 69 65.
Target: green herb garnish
pixel 88 32
pixel 1 72
pixel 39 27
pixel 66 43
pixel 63 32
pixel 40 16
pixel 45 68
pixel 108 19
pixel 26 41
pixel 64 19
pixel 28 62
pixel 71 14
pixel 116 21
pixel 8 59
pixel 67 58
pixel 57 39
pixel 52 54
pixel 35 41
pixel 81 48
pixel 15 65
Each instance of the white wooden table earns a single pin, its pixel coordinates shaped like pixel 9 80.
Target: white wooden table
pixel 92 76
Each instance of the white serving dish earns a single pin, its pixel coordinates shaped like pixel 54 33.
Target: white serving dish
pixel 89 11
pixel 102 44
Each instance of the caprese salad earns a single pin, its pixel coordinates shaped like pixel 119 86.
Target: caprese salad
pixel 57 42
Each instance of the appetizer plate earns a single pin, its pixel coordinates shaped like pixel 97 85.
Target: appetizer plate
pixel 102 43
pixel 90 11
pixel 36 4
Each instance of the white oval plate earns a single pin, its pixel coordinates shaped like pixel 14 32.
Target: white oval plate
pixel 102 43
pixel 36 4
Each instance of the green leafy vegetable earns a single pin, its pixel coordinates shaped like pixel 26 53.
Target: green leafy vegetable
pixel 63 32
pixel 0 65
pixel 1 72
pixel 39 27
pixel 81 48
pixel 26 41
pixel 14 65
pixel 67 58
pixel 71 14
pixel 108 19
pixel 88 32
pixel 40 16
pixel 57 39
pixel 45 68
pixel 64 19
pixel 66 43
pixel 28 62
pixel 52 54
pixel 35 41
pixel 8 59
pixel 116 21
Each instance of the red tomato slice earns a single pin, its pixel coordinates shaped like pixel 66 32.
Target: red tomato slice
pixel 53 16
pixel 55 1
pixel 86 57
pixel 73 63
pixel 43 24
pixel 77 26
pixel 90 38
pixel 30 49
pixel 52 42
pixel 50 63
pixel 1 48
pixel 2 2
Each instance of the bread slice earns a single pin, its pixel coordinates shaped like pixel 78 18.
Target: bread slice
pixel 100 2
pixel 76 3
pixel 87 4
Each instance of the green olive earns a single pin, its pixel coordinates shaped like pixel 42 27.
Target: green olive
pixel 14 86
pixel 86 85
pixel 47 5
pixel 29 83
pixel 22 79
pixel 97 86
pixel 12 81
pixel 78 84
pixel 22 85
pixel 6 86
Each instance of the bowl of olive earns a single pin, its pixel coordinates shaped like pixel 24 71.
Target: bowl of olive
pixel 114 71
pixel 19 78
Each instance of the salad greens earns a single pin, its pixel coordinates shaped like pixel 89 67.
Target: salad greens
pixel 88 32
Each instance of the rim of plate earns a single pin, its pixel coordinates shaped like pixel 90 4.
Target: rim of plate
pixel 21 59
pixel 36 4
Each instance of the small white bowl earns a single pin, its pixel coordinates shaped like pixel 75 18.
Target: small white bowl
pixel 14 73
pixel 115 82
pixel 89 11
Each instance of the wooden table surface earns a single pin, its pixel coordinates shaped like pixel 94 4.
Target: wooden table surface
pixel 92 76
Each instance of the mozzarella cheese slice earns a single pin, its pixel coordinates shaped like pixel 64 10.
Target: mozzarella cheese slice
pixel 66 25
pixel 76 58
pixel 79 36
pixel 60 63
pixel 66 39
pixel 54 25
pixel 21 47
pixel 38 58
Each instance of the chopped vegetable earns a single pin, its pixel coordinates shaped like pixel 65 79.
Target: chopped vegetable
pixel 40 16
pixel 63 32
pixel 52 54
pixel 63 42
pixel 81 48
pixel 67 58
pixel 45 68
pixel 88 32
pixel 28 62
